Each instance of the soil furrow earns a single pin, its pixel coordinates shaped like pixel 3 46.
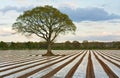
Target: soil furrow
pixel 90 70
pixel 109 60
pixel 23 64
pixel 18 62
pixel 18 59
pixel 50 74
pixel 15 60
pixel 110 57
pixel 73 69
pixel 37 65
pixel 106 68
pixel 29 67
pixel 112 54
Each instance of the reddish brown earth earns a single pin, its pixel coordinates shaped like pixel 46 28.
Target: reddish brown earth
pixel 90 70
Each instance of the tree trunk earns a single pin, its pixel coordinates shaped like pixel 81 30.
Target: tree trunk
pixel 49 52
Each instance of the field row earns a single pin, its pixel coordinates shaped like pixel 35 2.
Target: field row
pixel 76 64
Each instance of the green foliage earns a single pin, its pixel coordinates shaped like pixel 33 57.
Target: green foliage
pixel 45 22
pixel 3 45
pixel 75 45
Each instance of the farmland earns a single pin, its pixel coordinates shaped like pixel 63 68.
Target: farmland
pixel 75 64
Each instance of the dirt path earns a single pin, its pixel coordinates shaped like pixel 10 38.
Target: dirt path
pixel 90 70
pixel 72 71
pixel 109 72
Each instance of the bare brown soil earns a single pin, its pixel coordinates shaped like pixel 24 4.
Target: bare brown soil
pixel 90 70
pixel 109 72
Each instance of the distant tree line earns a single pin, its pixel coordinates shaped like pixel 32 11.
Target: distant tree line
pixel 75 45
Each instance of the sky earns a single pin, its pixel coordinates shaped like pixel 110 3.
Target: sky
pixel 96 20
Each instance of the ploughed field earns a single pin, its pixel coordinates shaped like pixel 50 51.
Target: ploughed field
pixel 75 64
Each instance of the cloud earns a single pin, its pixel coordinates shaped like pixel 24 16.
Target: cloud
pixel 8 18
pixel 104 38
pixel 5 34
pixel 94 31
pixel 76 14
pixel 3 24
pixel 5 31
pixel 71 4
pixel 14 8
pixel 88 14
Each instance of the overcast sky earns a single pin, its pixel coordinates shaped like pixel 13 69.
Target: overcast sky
pixel 96 20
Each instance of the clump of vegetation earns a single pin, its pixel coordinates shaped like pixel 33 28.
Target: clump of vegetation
pixel 75 45
pixel 46 22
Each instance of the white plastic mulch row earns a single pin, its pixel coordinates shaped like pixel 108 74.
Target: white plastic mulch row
pixel 12 56
pixel 114 68
pixel 34 60
pixel 111 54
pixel 22 67
pixel 30 69
pixel 110 59
pixel 63 72
pixel 49 69
pixel 98 70
pixel 79 73
pixel 15 61
pixel 81 70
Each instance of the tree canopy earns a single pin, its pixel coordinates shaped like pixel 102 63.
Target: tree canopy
pixel 46 22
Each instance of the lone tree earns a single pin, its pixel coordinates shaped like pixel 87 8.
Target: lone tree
pixel 46 22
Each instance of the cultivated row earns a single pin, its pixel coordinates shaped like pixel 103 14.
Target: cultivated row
pixel 75 64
